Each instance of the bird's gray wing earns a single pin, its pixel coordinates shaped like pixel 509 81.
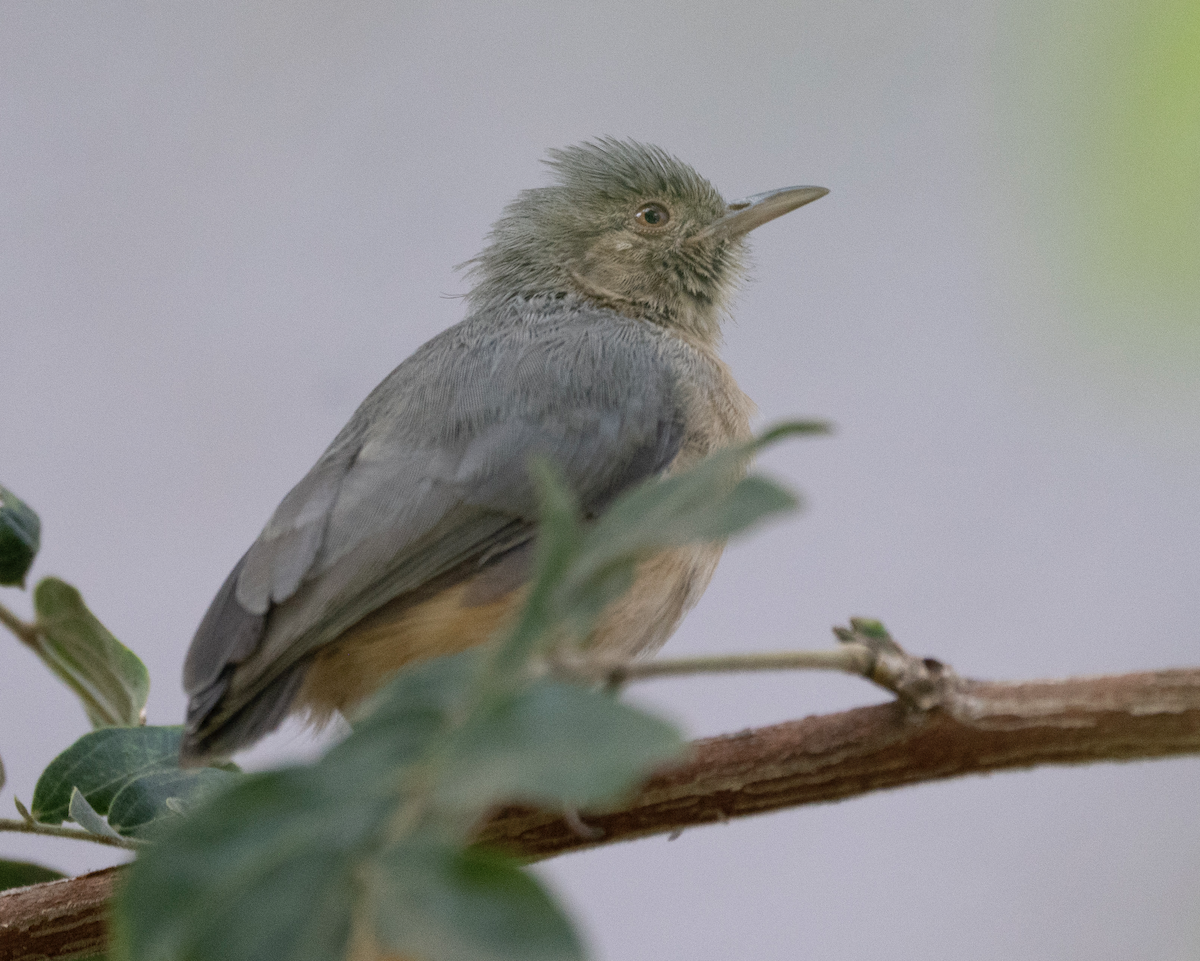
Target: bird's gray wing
pixel 431 472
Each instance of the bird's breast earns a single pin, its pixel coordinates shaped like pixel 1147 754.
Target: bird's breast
pixel 717 411
pixel 716 414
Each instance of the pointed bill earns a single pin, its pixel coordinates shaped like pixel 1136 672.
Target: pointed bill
pixel 745 215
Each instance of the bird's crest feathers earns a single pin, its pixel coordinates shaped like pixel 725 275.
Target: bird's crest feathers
pixel 579 236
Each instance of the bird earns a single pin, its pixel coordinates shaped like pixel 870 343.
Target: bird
pixel 591 338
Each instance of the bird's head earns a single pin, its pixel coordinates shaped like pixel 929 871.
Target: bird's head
pixel 629 227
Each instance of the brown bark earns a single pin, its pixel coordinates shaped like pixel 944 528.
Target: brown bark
pixel 984 727
pixel 976 727
pixel 58 919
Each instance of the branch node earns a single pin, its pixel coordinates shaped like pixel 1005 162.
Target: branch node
pixel 920 683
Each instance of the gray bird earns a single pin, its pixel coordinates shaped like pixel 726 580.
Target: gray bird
pixel 591 339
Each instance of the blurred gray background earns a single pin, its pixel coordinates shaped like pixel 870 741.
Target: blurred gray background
pixel 223 223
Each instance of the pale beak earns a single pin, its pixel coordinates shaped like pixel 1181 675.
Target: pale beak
pixel 745 215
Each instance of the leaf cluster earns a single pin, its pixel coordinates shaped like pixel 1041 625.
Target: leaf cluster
pixel 122 779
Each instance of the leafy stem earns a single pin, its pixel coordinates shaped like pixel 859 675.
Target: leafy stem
pixel 58 831
pixel 26 633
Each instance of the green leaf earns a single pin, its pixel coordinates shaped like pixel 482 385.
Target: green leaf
pixel 107 677
pixel 545 742
pixel 579 571
pixel 100 764
pixel 555 744
pixel 709 502
pixel 277 869
pixel 276 864
pixel 437 903
pixel 141 806
pixel 402 725
pixel 419 703
pixel 264 872
pixel 20 536
pixel 18 874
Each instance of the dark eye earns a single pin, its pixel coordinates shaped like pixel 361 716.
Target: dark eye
pixel 653 215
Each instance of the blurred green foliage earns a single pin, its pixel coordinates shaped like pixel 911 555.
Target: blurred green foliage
pixel 1140 151
pixel 369 850
pixel 1107 124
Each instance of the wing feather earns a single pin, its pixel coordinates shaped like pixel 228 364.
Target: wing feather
pixel 431 472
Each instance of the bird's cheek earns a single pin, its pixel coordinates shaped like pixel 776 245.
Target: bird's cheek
pixel 608 270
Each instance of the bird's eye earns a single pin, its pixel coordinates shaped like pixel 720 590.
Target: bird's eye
pixel 653 216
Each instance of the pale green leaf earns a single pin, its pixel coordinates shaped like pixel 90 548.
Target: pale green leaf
pixel 87 818
pixel 107 677
pixel 275 862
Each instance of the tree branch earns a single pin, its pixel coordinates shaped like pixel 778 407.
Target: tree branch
pixel 981 727
pixel 973 727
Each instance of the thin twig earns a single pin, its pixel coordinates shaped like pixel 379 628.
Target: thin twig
pixel 866 649
pixel 55 831
pixel 850 658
